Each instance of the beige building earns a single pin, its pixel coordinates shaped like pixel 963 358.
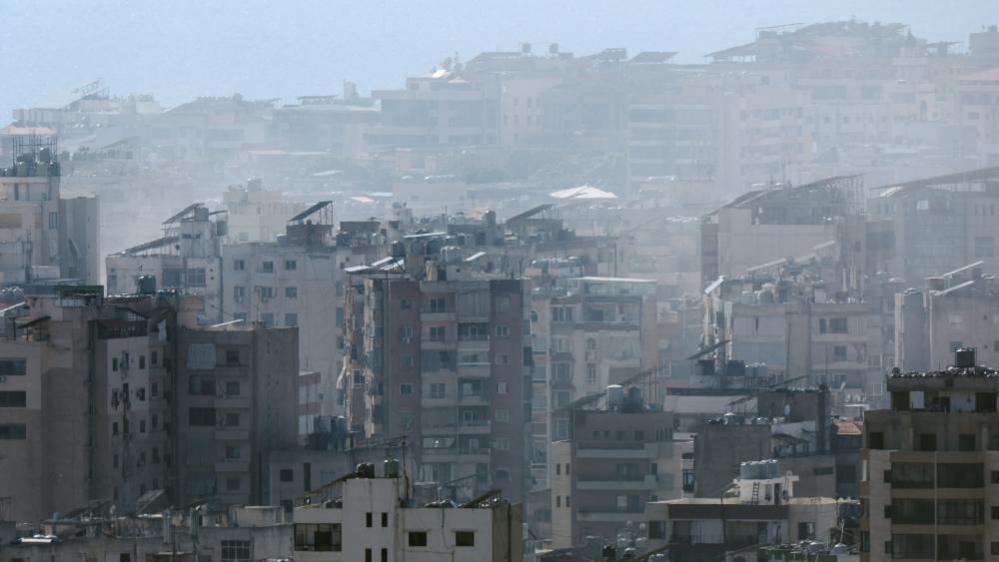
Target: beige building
pixel 374 519
pixel 757 508
pixel 84 402
pixel 44 233
pixel 236 398
pixel 614 461
pixel 929 466
pixel 255 214
pixel 188 257
pixel 957 309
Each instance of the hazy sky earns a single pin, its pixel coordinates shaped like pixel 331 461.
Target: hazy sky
pixel 179 49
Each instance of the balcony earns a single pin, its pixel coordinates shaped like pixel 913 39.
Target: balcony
pixel 232 435
pixel 232 465
pixel 472 400
pixel 437 317
pixel 474 427
pixel 594 516
pixel 474 370
pixel 647 482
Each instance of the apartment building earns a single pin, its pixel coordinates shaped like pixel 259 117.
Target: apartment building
pixel 374 519
pixel 45 232
pixel 928 466
pixel 932 225
pixel 757 508
pixel 85 388
pixel 188 258
pixel 299 281
pixel 255 214
pixel 239 532
pixel 954 310
pixel 615 460
pixel 763 226
pixel 435 351
pixel 236 397
pixel 797 325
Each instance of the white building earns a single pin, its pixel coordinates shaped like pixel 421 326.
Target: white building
pixel 375 521
pixel 188 257
pixel 256 214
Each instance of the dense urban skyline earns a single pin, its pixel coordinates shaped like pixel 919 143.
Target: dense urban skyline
pixel 184 49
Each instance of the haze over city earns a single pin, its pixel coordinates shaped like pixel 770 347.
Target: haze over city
pixel 499 282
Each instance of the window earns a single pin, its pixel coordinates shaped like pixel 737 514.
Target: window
pixel 323 537
pixel 984 247
pixel 142 361
pixel 201 417
pixel 839 353
pixel 15 367
pixel 13 399
pixel 502 359
pixel 501 388
pixel 290 265
pixel 267 318
pixel 267 267
pixel 232 452
pixel 384 519
pixel 406 361
pixel 927 442
pixel 406 389
pixel 502 331
pixel 265 292
pixel 966 442
pixel 994 548
pixel 502 415
pixel 291 292
pixel 232 357
pixel 995 477
pixel 404 304
pixel 142 426
pixel 291 319
pixel 53 220
pixel 287 475
pixel 464 538
pixel 438 333
pixel 235 551
pixel 591 372
pixel 232 388
pixel 239 265
pixel 417 538
pixel 438 390
pixel 876 440
pixel 367 555
pixel 13 431
pixel 232 483
pixel 232 419
pixel 196 277
pixel 369 519
pixel 561 314
pixel 438 304
pixel 501 444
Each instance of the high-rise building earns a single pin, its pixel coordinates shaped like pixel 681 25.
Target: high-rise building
pixel 45 234
pixel 928 466
pixel 435 351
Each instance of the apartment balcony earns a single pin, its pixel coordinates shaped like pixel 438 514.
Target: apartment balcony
pixel 438 317
pixel 448 455
pixel 236 402
pixel 232 465
pixel 647 482
pixel 619 451
pixel 474 370
pixel 232 435
pixel 480 454
pixel 474 427
pixel 473 344
pixel 445 344
pixel 442 402
pixel 472 400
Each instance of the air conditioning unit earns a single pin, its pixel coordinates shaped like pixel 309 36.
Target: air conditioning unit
pixel 3 378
